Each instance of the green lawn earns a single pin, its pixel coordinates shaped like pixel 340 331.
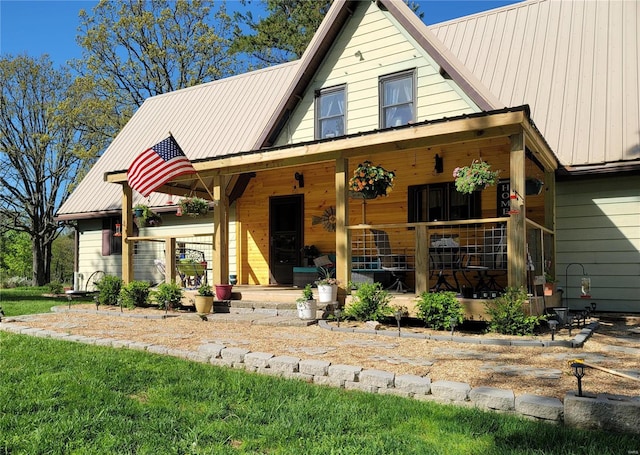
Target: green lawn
pixel 31 300
pixel 60 397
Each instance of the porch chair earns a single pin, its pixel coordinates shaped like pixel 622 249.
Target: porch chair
pixel 492 258
pixel 395 263
pixel 444 254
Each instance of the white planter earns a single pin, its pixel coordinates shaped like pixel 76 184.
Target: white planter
pixel 327 293
pixel 307 309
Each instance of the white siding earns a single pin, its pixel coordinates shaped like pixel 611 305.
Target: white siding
pixel 598 226
pixel 385 49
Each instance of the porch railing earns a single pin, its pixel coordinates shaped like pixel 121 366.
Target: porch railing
pixel 469 257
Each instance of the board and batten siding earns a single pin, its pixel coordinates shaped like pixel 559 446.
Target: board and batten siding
pixel 385 49
pixel 598 226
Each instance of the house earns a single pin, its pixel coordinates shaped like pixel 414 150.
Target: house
pixel 540 90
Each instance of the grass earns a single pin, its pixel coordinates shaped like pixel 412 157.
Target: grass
pixel 60 397
pixel 31 300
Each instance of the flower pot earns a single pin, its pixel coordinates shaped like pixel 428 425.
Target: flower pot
pixel 327 293
pixel 137 213
pixel 549 288
pixel 223 291
pixel 204 303
pixel 307 309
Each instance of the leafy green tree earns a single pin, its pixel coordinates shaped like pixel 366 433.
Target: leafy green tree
pixel 136 49
pixel 50 132
pixel 15 254
pixel 284 34
pixel 62 257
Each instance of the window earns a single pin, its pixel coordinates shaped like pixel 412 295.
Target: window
pixel 442 202
pixel 397 99
pixel 330 119
pixel 110 243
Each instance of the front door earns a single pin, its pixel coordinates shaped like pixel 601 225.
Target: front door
pixel 285 231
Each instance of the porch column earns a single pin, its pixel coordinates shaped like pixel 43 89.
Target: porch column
pixel 516 238
pixel 343 235
pixel 220 235
pixel 422 259
pixel 127 231
pixel 170 260
pixel 550 213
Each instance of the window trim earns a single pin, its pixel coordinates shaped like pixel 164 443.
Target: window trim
pixel 318 119
pixel 406 74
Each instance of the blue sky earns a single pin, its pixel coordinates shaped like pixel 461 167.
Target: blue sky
pixel 36 27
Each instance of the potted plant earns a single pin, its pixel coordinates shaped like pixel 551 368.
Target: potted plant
pixel 145 216
pixel 193 206
pixel 549 284
pixel 476 177
pixel 223 291
pixel 371 181
pixel 306 304
pixel 327 286
pixel 204 299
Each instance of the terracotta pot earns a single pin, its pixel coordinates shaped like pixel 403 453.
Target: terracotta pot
pixel 223 291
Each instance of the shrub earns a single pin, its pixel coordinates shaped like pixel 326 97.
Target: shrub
pixel 170 293
pixel 508 316
pixel 135 294
pixel 17 282
pixel 437 309
pixel 370 303
pixel 55 287
pixel 109 289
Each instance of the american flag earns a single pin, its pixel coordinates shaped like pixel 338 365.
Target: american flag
pixel 157 165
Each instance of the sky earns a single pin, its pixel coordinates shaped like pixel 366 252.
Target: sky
pixel 36 27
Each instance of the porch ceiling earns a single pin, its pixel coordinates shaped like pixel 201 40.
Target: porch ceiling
pixel 470 128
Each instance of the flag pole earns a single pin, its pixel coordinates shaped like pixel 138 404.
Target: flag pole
pixel 198 175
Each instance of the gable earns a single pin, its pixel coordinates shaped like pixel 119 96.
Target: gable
pixel 370 45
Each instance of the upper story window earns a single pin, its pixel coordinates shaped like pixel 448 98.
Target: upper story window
pixel 442 202
pixel 330 112
pixel 397 99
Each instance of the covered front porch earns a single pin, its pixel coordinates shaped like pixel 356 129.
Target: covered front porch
pixel 506 241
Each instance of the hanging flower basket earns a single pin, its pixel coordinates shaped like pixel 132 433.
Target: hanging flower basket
pixel 476 177
pixel 371 181
pixel 193 206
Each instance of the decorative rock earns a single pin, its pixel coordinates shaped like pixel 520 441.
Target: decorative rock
pixel 450 390
pixel 413 384
pixel 373 325
pixel 545 408
pixel 377 378
pixel 235 355
pixel 344 372
pixel 314 367
pixel 257 359
pixel 493 398
pixel 284 364
pixel 605 412
pixel 210 349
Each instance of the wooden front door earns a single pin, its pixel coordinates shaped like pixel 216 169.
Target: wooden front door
pixel 285 233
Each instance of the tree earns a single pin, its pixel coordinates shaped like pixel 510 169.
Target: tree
pixel 50 130
pixel 285 33
pixel 136 49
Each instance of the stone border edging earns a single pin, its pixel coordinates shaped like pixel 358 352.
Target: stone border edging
pixel 577 342
pixel 615 413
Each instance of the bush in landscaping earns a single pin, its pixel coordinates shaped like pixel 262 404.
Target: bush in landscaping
pixel 16 282
pixel 167 294
pixel 55 287
pixel 135 294
pixel 507 314
pixel 370 303
pixel 109 289
pixel 437 309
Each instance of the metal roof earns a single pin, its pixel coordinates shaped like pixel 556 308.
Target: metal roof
pixel 208 120
pixel 575 63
